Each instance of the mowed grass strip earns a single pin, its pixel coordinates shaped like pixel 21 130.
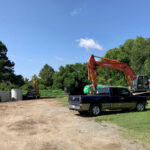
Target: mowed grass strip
pixel 64 100
pixel 136 124
pixel 50 93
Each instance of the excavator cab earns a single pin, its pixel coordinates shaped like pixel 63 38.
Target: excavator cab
pixel 140 83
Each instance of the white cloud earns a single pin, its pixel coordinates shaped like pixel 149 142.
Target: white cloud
pixel 75 11
pixel 89 44
pixel 59 58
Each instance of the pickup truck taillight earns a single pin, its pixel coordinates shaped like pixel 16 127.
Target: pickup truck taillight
pixel 80 99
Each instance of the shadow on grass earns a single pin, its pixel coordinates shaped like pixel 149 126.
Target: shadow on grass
pixel 48 97
pixel 44 97
pixel 147 109
pixel 108 112
pixel 26 99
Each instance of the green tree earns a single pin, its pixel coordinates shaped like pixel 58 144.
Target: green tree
pixel 46 75
pixel 6 66
pixel 141 55
pixel 74 76
pixel 58 78
pixel 17 79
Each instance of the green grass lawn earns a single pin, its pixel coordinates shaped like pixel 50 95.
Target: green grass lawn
pixel 50 93
pixel 135 124
pixel 64 100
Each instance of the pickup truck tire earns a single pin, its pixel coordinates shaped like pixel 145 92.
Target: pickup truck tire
pixel 95 110
pixel 140 107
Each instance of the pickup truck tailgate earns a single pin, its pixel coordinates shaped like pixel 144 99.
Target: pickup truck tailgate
pixel 74 102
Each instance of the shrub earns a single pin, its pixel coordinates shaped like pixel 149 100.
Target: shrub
pixel 7 87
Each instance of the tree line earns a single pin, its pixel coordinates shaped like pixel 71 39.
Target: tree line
pixel 73 76
pixel 134 52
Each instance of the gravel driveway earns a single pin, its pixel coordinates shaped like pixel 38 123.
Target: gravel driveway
pixel 47 125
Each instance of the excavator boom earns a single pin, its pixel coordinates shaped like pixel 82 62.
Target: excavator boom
pixel 109 63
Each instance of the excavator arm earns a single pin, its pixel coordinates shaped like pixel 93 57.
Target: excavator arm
pixel 113 64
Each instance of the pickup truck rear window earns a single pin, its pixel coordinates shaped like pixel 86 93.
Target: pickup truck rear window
pixel 102 91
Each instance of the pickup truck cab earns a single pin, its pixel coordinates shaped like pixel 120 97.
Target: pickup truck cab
pixel 107 97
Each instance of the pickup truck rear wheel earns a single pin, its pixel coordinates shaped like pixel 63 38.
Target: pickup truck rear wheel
pixel 140 107
pixel 95 110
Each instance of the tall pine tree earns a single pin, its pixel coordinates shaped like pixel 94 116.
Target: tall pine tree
pixel 6 66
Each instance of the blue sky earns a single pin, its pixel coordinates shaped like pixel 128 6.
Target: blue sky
pixel 60 32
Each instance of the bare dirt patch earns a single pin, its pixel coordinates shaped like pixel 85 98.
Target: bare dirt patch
pixel 48 125
pixel 23 125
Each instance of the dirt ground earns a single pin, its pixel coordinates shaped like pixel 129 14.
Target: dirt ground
pixel 47 125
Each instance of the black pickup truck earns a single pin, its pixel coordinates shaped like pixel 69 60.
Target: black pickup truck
pixel 107 97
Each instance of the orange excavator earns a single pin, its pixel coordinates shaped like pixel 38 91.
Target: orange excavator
pixel 137 83
pixel 33 91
